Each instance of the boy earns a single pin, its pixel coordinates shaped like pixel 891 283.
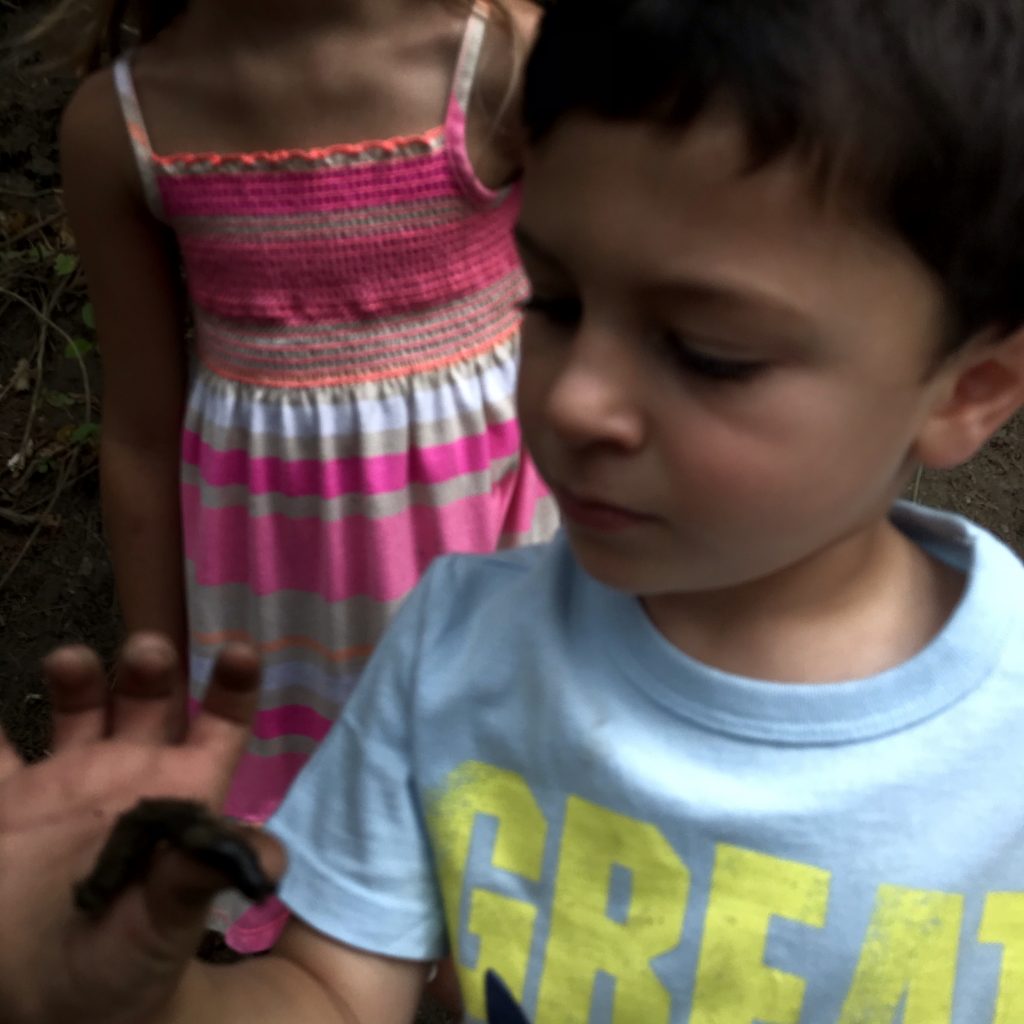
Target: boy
pixel 742 746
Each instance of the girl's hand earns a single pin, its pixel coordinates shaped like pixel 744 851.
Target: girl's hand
pixel 111 749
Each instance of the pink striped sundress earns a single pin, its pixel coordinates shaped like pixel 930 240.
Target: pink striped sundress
pixel 351 411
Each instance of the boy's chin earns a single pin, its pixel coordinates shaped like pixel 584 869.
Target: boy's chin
pixel 651 574
pixel 621 569
pixel 604 567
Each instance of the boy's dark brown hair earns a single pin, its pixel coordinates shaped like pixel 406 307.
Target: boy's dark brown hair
pixel 912 109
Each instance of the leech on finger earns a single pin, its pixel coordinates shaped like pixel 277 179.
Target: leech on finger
pixel 186 826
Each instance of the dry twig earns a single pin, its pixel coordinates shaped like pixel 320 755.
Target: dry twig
pixel 32 506
pixel 65 469
pixel 19 194
pixel 39 225
pixel 24 519
pixel 46 323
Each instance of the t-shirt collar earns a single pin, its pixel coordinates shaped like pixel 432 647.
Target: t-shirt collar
pixel 957 661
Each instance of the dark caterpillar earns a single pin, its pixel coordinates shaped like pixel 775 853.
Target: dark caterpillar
pixel 186 826
pixel 191 828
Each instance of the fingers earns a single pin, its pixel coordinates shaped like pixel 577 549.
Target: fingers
pixel 78 689
pixel 147 690
pixel 144 699
pixel 230 703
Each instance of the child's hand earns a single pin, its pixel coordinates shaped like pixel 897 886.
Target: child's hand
pixel 110 749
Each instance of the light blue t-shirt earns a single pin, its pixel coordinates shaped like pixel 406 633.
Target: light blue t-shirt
pixel 530 774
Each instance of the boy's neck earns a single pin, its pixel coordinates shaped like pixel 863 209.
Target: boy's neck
pixel 865 604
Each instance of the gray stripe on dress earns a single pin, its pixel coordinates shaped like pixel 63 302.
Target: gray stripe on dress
pixel 360 223
pixel 281 745
pixel 236 608
pixel 371 506
pixel 421 324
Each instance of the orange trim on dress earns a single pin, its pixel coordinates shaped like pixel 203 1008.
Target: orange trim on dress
pixel 247 159
pixel 226 636
pixel 302 380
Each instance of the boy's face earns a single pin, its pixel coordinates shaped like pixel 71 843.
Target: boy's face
pixel 721 377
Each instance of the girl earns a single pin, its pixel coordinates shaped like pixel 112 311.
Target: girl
pixel 347 413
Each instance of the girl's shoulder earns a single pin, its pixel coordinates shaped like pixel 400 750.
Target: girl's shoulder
pixel 497 90
pixel 94 142
pixel 511 28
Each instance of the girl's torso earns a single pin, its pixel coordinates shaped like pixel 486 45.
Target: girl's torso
pixel 205 88
pixel 345 263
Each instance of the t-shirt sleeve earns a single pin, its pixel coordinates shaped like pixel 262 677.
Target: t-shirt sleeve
pixel 360 867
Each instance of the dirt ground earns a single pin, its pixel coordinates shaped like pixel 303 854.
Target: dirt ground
pixel 55 577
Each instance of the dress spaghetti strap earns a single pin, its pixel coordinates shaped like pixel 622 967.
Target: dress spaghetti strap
pixel 128 99
pixel 469 55
pixel 458 110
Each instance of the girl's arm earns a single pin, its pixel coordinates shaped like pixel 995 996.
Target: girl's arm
pixel 132 272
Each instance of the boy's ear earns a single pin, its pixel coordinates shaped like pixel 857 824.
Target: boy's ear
pixel 981 387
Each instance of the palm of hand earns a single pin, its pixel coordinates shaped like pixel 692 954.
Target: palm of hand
pixel 56 815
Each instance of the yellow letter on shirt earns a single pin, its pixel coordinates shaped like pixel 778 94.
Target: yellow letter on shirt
pixel 1003 922
pixel 911 948
pixel 503 925
pixel 748 889
pixel 585 940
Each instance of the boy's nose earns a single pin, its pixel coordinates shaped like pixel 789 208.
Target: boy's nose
pixel 595 397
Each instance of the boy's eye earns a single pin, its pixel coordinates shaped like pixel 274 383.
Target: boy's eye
pixel 713 368
pixel 565 311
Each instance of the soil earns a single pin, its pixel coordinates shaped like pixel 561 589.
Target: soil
pixel 55 578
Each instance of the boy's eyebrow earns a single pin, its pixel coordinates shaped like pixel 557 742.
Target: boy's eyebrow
pixel 742 298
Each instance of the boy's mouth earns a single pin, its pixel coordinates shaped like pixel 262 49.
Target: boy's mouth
pixel 597 515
